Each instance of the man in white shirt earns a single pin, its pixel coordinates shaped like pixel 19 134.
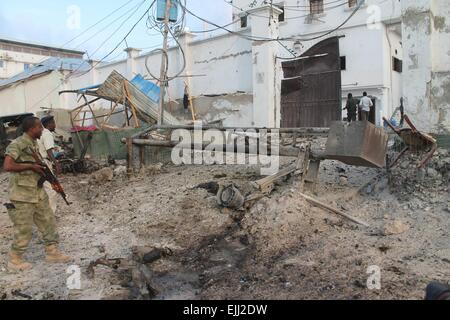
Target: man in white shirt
pixel 46 149
pixel 365 104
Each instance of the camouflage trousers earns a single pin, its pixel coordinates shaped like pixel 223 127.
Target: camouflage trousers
pixel 24 215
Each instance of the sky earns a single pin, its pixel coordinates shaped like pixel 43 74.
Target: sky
pixel 55 23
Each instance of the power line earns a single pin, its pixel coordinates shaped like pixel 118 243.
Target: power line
pixel 120 27
pixel 93 66
pixel 215 29
pixel 309 6
pixel 124 38
pixel 89 28
pixel 108 25
pixel 327 9
pixel 292 8
pixel 97 23
pixel 338 27
pixel 253 38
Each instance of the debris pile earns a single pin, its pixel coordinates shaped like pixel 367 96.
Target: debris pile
pixel 406 181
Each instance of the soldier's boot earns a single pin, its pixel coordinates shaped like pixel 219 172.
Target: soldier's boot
pixel 56 256
pixel 16 263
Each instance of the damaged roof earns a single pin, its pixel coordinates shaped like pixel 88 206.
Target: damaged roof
pixel 51 64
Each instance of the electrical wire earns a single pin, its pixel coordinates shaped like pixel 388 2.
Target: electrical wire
pixel 72 73
pixel 89 28
pixel 124 39
pixel 215 29
pixel 120 27
pixel 175 31
pixel 253 38
pixel 97 23
pixel 110 24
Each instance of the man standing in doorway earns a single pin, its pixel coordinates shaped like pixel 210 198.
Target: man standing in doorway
pixel 351 107
pixel 46 149
pixel 365 104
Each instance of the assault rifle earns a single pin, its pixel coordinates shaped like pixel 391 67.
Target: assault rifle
pixel 48 176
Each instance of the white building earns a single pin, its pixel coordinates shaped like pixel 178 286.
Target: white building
pixel 370 41
pixel 238 78
pixel 18 56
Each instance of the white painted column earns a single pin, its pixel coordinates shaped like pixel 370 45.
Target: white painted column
pixel 426 71
pixel 185 40
pixel 132 54
pixel 266 68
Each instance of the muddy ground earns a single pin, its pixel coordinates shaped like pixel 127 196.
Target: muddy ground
pixel 281 248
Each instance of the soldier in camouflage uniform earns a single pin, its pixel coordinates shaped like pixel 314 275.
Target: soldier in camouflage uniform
pixel 29 203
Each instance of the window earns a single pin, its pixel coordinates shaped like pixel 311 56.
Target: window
pixel 281 16
pixel 244 22
pixel 397 65
pixel 316 6
pixel 353 3
pixel 2 64
pixel 344 63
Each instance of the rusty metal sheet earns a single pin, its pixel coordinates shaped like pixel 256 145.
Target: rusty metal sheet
pixel 358 143
pixel 311 92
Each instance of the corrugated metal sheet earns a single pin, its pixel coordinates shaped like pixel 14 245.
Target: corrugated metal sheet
pixel 150 89
pixel 147 109
pixel 51 64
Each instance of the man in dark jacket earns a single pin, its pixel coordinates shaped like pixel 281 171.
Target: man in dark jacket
pixel 351 108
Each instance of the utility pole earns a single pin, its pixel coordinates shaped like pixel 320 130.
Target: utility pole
pixel 164 62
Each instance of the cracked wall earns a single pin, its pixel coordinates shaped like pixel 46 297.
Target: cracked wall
pixel 426 78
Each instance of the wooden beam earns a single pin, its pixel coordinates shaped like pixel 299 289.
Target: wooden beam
pixel 333 210
pixel 132 107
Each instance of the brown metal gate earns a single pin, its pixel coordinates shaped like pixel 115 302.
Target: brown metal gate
pixel 311 91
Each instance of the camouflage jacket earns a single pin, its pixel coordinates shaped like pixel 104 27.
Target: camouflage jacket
pixel 23 186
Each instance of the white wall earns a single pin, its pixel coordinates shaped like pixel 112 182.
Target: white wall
pixel 31 96
pixel 365 46
pixel 426 31
pixel 13 62
pixel 221 66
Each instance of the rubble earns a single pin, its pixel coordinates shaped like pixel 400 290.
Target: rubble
pixel 102 176
pixel 395 227
pixel 120 171
pixel 162 235
pixel 152 169
pixel 426 184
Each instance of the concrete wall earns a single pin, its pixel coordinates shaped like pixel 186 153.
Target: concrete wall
pixel 221 85
pixel 426 40
pixel 31 96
